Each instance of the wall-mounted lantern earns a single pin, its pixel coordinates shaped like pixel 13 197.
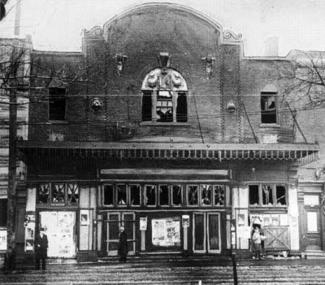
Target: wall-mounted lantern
pixel 96 104
pixel 163 59
pixel 209 64
pixel 231 107
pixel 120 62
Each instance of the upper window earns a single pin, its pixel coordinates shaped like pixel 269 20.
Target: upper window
pixel 164 96
pixel 58 193
pixel 57 104
pixel 267 195
pixel 268 108
pixel 3 212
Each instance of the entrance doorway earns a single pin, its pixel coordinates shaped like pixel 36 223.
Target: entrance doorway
pixel 114 221
pixel 206 232
pixel 311 222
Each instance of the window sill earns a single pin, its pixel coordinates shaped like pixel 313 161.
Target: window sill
pixel 168 124
pixel 274 126
pixel 58 122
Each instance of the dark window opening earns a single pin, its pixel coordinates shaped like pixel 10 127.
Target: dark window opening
pixel 219 195
pixel 177 195
pixel 281 195
pixel 267 195
pixel 121 194
pixel 253 195
pixel 146 106
pixel 193 195
pixel 164 195
pixel 3 212
pixel 268 108
pixel 58 193
pixel 73 194
pixel 57 104
pixel 135 195
pixel 181 110
pixel 206 195
pixel 164 106
pixel 108 195
pixel 150 195
pixel 43 193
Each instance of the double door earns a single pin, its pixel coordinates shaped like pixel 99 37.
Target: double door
pixel 206 232
pixel 114 221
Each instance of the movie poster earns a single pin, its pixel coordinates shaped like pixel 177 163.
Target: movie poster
pixel 166 232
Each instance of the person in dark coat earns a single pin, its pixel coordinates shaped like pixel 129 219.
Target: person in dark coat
pixel 41 245
pixel 123 245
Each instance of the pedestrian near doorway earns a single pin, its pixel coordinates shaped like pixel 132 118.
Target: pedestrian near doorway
pixel 123 245
pixel 256 243
pixel 41 245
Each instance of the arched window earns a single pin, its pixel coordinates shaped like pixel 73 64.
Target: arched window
pixel 164 97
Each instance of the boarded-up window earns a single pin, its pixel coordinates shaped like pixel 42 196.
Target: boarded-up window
pixel 57 104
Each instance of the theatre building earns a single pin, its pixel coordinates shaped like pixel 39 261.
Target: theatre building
pixel 162 125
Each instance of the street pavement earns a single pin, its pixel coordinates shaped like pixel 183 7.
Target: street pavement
pixel 173 272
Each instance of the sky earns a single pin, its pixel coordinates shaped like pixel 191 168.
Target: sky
pixel 58 24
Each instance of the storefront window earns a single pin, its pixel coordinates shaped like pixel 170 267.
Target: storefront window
pixel 108 195
pixel 43 193
pixel 121 194
pixel 135 195
pixel 192 195
pixel 280 195
pixel 150 195
pixel 219 195
pixel 267 195
pixel 73 194
pixel 206 195
pixel 177 195
pixel 58 193
pixel 270 195
pixel 164 195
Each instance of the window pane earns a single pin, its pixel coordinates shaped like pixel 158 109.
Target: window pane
pixel 253 195
pixel 3 212
pixel 268 108
pixel 280 195
pixel 192 194
pixel 219 195
pixel 135 195
pixel 56 103
pixel 267 195
pixel 146 106
pixel 108 195
pixel 164 195
pixel 206 195
pixel 121 194
pixel 58 193
pixel 43 193
pixel 181 110
pixel 199 231
pixel 177 195
pixel 150 195
pixel 73 194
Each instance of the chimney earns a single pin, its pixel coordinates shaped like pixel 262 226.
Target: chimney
pixel 271 46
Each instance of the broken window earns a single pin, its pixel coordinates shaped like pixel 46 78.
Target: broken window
pixel 219 195
pixel 57 104
pixel 192 194
pixel 164 195
pixel 268 108
pixel 58 193
pixel 177 195
pixel 280 195
pixel 164 106
pixel 73 194
pixel 108 195
pixel 150 195
pixel 121 194
pixel 135 195
pixel 267 195
pixel 254 195
pixel 206 195
pixel 43 193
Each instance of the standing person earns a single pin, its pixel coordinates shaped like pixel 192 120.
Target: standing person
pixel 41 245
pixel 123 245
pixel 256 243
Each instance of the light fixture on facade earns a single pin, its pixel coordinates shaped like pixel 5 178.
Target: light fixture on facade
pixel 164 59
pixel 120 62
pixel 209 64
pixel 231 107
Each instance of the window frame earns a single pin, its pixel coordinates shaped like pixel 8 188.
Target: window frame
pixel 130 195
pixel 201 204
pixel 103 195
pixel 265 112
pixel 169 198
pixel 198 195
pixel 145 203
pixel 274 195
pixel 172 195
pixel 126 195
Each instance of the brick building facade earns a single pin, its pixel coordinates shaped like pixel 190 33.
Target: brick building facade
pixel 160 124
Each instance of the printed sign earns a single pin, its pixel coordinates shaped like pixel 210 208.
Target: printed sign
pixel 166 232
pixel 143 223
pixel 185 221
pixel 84 217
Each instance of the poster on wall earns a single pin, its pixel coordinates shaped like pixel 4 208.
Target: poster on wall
pixel 29 232
pixel 59 227
pixel 3 239
pixel 84 217
pixel 166 232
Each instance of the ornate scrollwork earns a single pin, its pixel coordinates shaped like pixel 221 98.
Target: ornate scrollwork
pixel 231 36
